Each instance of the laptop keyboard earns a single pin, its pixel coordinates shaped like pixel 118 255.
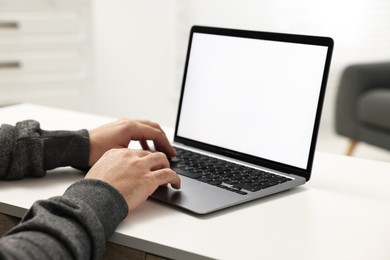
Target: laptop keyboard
pixel 227 175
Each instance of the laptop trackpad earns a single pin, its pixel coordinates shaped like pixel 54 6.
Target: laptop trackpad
pixel 198 197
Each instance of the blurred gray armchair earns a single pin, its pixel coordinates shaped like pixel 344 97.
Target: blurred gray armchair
pixel 363 105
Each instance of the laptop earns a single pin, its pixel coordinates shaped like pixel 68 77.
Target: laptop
pixel 248 116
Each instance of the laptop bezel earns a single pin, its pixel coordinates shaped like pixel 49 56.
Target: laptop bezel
pixel 281 37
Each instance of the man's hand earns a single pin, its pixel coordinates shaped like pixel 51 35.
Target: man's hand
pixel 136 174
pixel 120 133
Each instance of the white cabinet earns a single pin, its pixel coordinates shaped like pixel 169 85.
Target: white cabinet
pixel 45 51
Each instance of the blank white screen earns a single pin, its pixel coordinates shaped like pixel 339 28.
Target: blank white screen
pixel 253 96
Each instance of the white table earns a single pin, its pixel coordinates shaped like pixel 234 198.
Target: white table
pixel 343 212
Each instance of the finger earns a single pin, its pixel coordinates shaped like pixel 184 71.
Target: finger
pixel 157 161
pixel 165 176
pixel 144 145
pixel 159 138
pixel 152 124
pixel 173 153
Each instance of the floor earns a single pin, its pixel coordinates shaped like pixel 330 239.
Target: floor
pixel 329 142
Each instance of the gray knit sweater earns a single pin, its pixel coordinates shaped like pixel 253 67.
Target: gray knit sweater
pixel 72 226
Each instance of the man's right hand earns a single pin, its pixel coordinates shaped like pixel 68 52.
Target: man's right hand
pixel 136 174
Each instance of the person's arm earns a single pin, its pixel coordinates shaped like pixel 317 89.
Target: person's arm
pixel 27 150
pixel 72 226
pixel 76 224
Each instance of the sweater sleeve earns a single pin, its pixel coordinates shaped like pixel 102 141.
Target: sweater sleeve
pixel 27 150
pixel 72 226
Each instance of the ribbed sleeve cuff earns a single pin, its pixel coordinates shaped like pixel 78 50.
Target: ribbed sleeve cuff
pixel 65 148
pixel 108 204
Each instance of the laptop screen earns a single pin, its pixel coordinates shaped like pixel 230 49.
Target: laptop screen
pixel 254 96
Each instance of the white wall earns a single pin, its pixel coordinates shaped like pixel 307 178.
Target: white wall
pixel 132 65
pixel 140 45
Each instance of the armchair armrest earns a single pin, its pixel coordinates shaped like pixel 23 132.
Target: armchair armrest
pixel 355 80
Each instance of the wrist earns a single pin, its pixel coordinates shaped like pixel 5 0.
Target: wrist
pixel 65 148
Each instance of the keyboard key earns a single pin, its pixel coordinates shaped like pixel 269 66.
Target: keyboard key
pixel 204 179
pixel 247 187
pixel 187 173
pixel 215 182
